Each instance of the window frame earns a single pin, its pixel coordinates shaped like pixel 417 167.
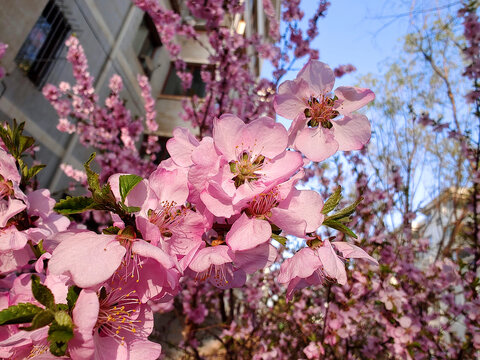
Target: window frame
pixel 39 66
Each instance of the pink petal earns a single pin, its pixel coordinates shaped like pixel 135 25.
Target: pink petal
pixel 239 279
pixel 181 146
pixel 264 136
pixel 14 259
pixel 39 264
pixel 316 144
pixel 147 250
pixel 288 221
pixel 291 98
pixel 206 154
pixel 281 168
pixel 353 98
pixel 85 312
pixel 21 338
pixel 85 316
pixel 301 265
pixel 332 265
pixel 74 257
pixel 170 185
pixel 217 201
pixel 352 132
pixel 300 213
pixel 40 203
pixel 285 188
pixel 152 281
pixel 149 231
pixel 10 209
pixel 225 133
pixel 8 167
pixel 187 259
pixel 144 350
pixel 213 255
pixel 352 251
pixel 247 233
pixel 108 348
pixel 318 75
pixel 255 259
pixel 12 239
pixel 298 124
pixel 57 284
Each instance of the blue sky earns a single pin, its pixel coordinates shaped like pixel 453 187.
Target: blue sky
pixel 362 32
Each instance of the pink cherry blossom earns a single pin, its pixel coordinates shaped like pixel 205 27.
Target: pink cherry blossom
pixel 317 130
pixel 116 324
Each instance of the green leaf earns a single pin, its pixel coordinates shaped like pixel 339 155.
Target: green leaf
pixel 34 170
pixel 38 249
pixel 92 176
pixel 132 209
pixel 25 142
pixel 42 319
pixel 127 183
pixel 63 319
pixel 59 336
pixel 111 230
pixel 72 296
pixel 60 333
pixel 42 293
pixel 346 212
pixel 19 314
pixel 58 348
pixel 61 307
pixel 281 239
pixel 332 201
pixel 334 224
pixel 74 205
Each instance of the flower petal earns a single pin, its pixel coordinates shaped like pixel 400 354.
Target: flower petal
pixel 87 257
pixel 248 233
pixel 318 75
pixel 316 144
pixel 352 251
pixel 290 100
pixel 352 98
pixel 352 132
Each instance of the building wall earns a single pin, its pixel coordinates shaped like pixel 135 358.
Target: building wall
pixel 104 30
pixel 107 30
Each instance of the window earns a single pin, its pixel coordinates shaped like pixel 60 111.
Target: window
pixel 42 44
pixel 146 42
pixel 173 85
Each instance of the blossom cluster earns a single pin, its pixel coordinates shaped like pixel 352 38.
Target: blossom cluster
pixel 110 129
pixel 210 212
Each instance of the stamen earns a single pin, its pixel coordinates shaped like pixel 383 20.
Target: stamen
pixel 321 111
pixel 168 217
pixel 263 203
pixel 246 167
pixel 216 273
pixel 118 313
pixel 37 350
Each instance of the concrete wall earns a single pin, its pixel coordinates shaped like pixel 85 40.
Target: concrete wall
pixel 106 31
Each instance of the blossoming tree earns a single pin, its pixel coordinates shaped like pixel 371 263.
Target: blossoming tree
pixel 205 230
